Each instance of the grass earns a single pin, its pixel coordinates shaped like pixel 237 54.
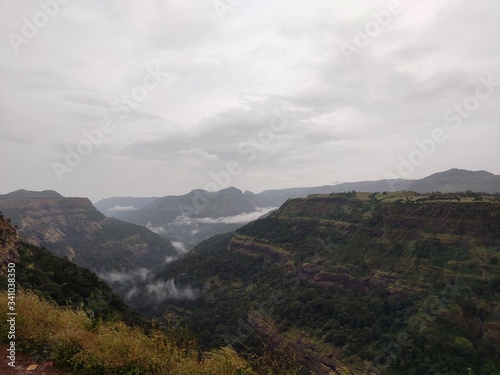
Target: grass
pixel 77 342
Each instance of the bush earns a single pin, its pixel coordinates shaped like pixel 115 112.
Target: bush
pixel 77 342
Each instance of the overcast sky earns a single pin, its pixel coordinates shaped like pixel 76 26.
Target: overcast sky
pixel 204 76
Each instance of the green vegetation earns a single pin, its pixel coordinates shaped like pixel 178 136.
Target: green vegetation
pixel 65 314
pixel 79 343
pixel 355 283
pixel 399 283
pixel 65 283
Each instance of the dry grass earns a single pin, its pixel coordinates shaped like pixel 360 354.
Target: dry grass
pixel 77 342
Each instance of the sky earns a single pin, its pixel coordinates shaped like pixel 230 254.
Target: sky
pixel 154 98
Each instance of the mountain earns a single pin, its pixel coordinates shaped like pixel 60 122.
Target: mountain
pixel 73 227
pixel 451 181
pixel 458 180
pixel 189 219
pixel 353 283
pixel 111 206
pixel 27 194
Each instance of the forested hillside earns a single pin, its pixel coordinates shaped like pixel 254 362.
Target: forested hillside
pixel 397 283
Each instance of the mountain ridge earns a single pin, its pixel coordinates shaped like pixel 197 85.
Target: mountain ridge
pixel 177 217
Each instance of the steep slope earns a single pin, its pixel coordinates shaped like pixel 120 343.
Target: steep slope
pixel 72 227
pixel 56 278
pixel 9 243
pixel 388 283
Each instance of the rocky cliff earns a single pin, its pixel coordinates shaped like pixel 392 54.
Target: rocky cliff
pixel 72 227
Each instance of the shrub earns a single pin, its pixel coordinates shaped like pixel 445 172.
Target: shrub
pixel 77 342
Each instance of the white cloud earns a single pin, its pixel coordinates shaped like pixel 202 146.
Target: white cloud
pixel 141 274
pixel 158 230
pixel 199 154
pixel 180 247
pixel 163 290
pixel 122 208
pixel 237 219
pixel 169 259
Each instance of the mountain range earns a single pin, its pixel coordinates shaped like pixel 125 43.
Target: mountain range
pixel 191 218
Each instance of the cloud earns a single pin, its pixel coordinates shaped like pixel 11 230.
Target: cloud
pixel 86 100
pixel 237 219
pixel 183 220
pixel 23 139
pixel 122 208
pixel 199 153
pixel 141 274
pixel 164 290
pixel 169 259
pixel 143 281
pixel 158 230
pixel 180 247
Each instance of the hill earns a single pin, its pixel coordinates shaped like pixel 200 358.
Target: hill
pixel 27 194
pixel 394 283
pixel 194 217
pixel 72 227
pixel 458 180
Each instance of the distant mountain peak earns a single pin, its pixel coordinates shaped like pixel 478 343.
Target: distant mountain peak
pixel 461 172
pixel 28 194
pixel 231 189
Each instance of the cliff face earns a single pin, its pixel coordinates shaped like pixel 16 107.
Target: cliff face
pixel 368 241
pixel 343 278
pixel 73 227
pixel 9 244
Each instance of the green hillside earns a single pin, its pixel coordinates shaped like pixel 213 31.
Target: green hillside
pixel 66 315
pixel 57 279
pixel 392 283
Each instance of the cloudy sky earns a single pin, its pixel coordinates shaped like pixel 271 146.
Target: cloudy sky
pixel 279 93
